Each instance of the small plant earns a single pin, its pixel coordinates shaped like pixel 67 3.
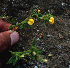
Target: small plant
pixel 33 53
pixel 46 18
pixel 35 14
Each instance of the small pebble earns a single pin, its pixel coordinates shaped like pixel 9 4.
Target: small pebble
pixel 60 36
pixel 63 4
pixel 59 46
pixel 42 43
pixel 23 33
pixel 41 33
pixel 35 67
pixel 49 35
pixel 38 39
pixel 37 25
pixel 49 11
pixel 40 36
pixel 38 31
pixel 50 54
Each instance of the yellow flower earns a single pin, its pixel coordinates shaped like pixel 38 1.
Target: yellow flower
pixel 51 20
pixel 38 10
pixel 31 21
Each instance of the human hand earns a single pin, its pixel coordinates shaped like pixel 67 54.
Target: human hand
pixel 7 37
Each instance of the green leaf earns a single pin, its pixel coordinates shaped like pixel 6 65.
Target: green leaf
pixel 21 26
pixel 15 59
pixel 40 15
pixel 10 60
pixel 32 10
pixel 10 26
pixel 34 42
pixel 13 20
pixel 35 15
pixel 44 23
pixel 24 25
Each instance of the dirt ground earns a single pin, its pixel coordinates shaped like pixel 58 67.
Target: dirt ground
pixel 54 39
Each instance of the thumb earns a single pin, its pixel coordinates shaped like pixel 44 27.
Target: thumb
pixel 7 39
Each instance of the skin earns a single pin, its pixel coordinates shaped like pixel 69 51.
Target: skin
pixel 7 37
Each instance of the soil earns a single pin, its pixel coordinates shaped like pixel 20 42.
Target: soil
pixel 54 39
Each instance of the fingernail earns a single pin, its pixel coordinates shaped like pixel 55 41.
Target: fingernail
pixel 14 37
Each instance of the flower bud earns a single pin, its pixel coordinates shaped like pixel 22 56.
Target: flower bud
pixel 22 55
pixel 34 53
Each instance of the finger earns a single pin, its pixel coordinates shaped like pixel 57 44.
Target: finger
pixel 4 26
pixel 7 39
